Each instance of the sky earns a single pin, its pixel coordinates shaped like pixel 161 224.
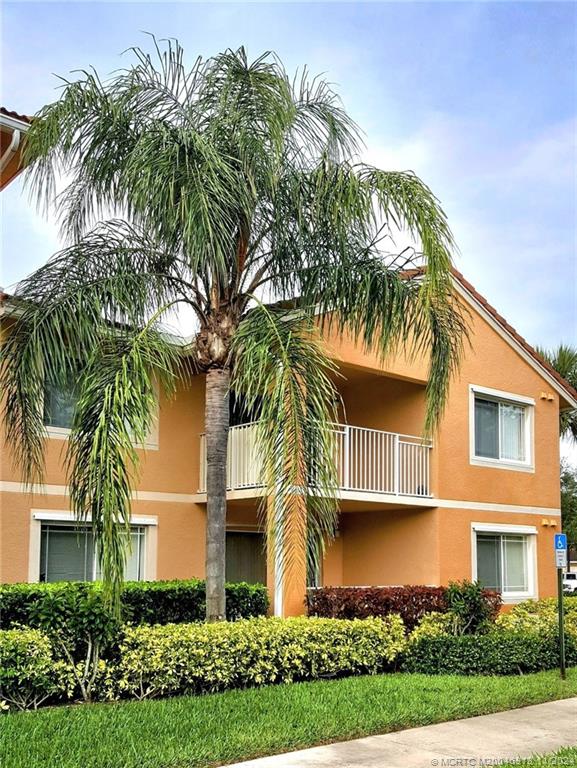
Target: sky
pixel 478 99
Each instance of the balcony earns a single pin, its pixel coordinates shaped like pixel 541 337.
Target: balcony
pixel 369 461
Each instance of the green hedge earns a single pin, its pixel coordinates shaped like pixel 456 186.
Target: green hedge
pixel 500 652
pixel 143 602
pixel 194 658
pixel 175 659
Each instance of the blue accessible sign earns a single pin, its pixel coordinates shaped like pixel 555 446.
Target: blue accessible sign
pixel 561 550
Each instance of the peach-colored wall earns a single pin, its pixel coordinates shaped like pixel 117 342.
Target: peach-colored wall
pixel 432 546
pixel 379 402
pixel 455 537
pixel 372 545
pixel 173 468
pixel 180 534
pixel 494 364
pixel 400 365
pixel 390 547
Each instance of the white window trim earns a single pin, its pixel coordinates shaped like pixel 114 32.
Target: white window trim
pixel 38 516
pixel 530 531
pixel 528 465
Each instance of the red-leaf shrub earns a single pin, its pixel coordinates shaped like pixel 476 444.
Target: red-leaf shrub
pixel 411 602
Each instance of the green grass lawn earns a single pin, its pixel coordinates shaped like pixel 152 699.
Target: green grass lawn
pixel 226 727
pixel 565 757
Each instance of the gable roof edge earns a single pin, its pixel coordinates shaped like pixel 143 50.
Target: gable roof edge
pixel 517 342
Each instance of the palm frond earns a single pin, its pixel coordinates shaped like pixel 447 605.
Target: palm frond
pixel 113 416
pixel 281 371
pixel 112 279
pixel 564 360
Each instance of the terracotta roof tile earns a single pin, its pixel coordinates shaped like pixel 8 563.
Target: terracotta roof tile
pixel 517 336
pixel 15 115
pixel 4 297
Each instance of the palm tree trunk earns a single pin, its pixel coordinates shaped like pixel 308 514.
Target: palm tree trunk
pixel 216 431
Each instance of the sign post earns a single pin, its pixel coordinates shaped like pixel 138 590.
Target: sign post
pixel 561 563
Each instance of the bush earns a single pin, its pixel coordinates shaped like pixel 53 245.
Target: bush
pixel 183 601
pixel 432 625
pixel 81 627
pixel 545 607
pixel 143 602
pixel 472 608
pixel 540 617
pixel 29 673
pixel 496 653
pixel 194 658
pixel 410 602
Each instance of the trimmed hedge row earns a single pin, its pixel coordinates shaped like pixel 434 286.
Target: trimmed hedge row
pixel 175 659
pixel 64 662
pixel 196 658
pixel 525 639
pixel 143 602
pixel 410 602
pixel 496 653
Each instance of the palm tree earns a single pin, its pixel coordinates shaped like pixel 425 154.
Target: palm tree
pixel 230 189
pixel 564 360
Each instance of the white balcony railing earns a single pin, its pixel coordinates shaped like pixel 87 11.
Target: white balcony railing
pixel 368 461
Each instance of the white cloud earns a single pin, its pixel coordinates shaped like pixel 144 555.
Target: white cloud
pixel 512 208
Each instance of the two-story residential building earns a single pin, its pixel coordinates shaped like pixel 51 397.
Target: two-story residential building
pixel 478 501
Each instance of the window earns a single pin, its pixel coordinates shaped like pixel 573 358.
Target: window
pixel 59 405
pixel 67 553
pixel 501 430
pixel 504 561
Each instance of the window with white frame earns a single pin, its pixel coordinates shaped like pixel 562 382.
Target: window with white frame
pixel 504 561
pixel 501 429
pixel 68 553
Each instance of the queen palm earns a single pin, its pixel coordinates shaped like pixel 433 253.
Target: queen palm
pixel 564 360
pixel 234 191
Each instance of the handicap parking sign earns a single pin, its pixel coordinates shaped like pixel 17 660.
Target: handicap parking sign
pixel 560 541
pixel 561 550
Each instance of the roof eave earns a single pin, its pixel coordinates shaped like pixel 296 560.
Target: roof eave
pixel 522 347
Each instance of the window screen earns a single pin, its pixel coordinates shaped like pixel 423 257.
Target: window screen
pixel 502 562
pixel 499 430
pixel 67 553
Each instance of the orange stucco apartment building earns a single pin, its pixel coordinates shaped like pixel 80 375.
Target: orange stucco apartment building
pixel 479 501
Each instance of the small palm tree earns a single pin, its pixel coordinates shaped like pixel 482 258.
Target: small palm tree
pixel 564 360
pixel 229 189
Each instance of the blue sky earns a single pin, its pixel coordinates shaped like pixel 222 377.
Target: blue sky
pixel 479 99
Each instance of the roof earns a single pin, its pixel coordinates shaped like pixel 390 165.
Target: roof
pixel 500 320
pixel 508 329
pixel 15 115
pixel 504 325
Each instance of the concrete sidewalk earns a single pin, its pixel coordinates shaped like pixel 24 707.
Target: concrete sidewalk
pixel 489 738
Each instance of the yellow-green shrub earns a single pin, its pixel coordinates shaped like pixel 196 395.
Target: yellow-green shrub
pixel 193 658
pixel 29 672
pixel 432 624
pixel 540 617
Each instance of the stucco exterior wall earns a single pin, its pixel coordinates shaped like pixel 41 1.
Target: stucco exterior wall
pixel 492 363
pixel 455 544
pixel 177 537
pixel 390 548
pixel 376 544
